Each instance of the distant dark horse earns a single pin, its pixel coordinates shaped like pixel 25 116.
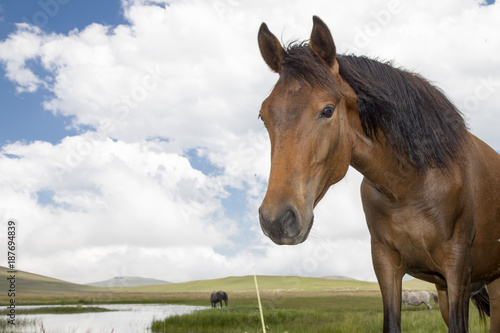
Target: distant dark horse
pixel 218 297
pixel 431 189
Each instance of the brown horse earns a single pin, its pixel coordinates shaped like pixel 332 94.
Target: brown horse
pixel 431 189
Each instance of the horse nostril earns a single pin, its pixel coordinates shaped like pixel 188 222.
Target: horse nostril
pixel 291 224
pixel 281 226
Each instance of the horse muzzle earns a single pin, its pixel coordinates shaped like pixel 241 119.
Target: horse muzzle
pixel 285 226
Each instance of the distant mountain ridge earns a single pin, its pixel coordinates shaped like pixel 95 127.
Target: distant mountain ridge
pixel 127 281
pixel 337 277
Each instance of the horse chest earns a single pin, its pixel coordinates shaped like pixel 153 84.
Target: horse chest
pixel 412 223
pixel 409 232
pixel 410 239
pixel 400 226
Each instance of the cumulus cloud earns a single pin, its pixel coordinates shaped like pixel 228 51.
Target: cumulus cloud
pixel 185 79
pixel 118 194
pixel 16 51
pixel 167 74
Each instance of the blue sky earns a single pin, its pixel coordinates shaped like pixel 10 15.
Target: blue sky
pixel 32 122
pixel 129 138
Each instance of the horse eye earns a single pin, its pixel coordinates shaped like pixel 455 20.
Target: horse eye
pixel 327 112
pixel 262 121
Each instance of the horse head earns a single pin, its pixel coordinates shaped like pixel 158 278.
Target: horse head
pixel 306 116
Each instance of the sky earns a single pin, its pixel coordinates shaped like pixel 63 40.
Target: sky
pixel 130 142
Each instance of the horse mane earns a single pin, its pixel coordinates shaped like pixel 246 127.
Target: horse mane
pixel 416 117
pixel 300 63
pixel 417 120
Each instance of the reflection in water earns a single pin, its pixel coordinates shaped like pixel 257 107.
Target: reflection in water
pixel 123 318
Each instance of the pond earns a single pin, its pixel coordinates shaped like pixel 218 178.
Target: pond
pixel 122 318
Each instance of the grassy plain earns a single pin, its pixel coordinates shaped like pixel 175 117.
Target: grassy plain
pixel 307 311
pixel 290 303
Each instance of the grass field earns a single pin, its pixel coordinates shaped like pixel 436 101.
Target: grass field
pixel 290 303
pixel 308 312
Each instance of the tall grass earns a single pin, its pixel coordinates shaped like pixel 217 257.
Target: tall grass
pixel 304 315
pixel 22 325
pixel 242 319
pixel 247 319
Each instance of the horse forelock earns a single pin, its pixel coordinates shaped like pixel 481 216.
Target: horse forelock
pixel 300 63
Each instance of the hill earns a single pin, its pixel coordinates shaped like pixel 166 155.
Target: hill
pixel 278 284
pixel 127 281
pixel 266 284
pixel 29 283
pixel 416 284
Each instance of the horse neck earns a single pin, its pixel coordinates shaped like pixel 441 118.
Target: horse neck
pixel 375 160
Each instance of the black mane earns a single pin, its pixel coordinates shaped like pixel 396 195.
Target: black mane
pixel 300 63
pixel 416 118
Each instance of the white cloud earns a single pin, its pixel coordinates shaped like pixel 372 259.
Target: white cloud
pixel 119 194
pixel 188 75
pixel 168 74
pixel 16 50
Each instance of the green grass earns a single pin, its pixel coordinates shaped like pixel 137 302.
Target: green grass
pixel 20 323
pixel 298 314
pixel 240 319
pixel 291 304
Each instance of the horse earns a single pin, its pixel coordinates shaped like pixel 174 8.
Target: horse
pixel 430 190
pixel 418 297
pixel 218 297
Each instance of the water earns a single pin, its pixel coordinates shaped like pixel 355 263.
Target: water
pixel 124 318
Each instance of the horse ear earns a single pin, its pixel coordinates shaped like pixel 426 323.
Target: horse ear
pixel 321 42
pixel 270 48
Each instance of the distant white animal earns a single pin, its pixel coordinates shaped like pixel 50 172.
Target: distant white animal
pixel 418 297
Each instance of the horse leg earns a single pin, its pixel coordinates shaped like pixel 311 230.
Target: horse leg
pixel 387 265
pixel 443 303
pixel 446 312
pixel 428 304
pixel 494 294
pixel 458 287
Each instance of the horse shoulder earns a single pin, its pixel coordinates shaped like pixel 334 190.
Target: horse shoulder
pixel 485 177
